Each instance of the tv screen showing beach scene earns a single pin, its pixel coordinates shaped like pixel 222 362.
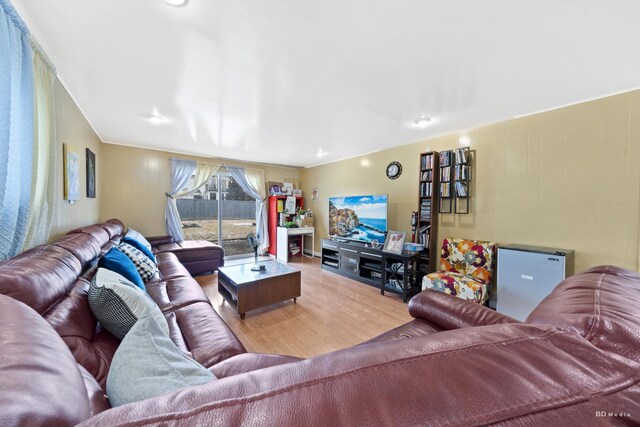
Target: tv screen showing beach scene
pixel 361 218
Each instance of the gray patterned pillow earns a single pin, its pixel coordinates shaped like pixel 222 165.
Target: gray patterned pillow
pixel 118 304
pixel 147 364
pixel 145 266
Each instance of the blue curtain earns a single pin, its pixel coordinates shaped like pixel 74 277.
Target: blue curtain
pixel 16 130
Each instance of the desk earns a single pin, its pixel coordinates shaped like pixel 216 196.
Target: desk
pixel 283 241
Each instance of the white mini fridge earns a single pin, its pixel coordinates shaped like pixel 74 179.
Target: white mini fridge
pixel 527 274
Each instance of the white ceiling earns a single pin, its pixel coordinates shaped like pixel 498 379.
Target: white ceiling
pixel 276 81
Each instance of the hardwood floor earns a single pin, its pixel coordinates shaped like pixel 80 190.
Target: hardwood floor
pixel 333 312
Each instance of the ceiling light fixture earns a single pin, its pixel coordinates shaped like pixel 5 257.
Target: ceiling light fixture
pixel 155 119
pixel 422 121
pixel 321 153
pixel 176 2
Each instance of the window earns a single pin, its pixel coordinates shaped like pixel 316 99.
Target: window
pixel 201 220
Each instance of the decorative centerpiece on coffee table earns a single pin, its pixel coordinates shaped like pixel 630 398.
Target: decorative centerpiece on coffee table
pixel 254 243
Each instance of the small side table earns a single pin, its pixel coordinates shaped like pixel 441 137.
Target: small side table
pixel 401 274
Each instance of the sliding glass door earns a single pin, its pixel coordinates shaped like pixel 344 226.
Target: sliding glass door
pixel 220 212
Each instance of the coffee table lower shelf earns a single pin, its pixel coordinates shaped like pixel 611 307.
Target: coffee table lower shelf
pixel 245 291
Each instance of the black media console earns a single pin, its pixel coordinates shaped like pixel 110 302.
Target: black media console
pixel 396 273
pixel 353 260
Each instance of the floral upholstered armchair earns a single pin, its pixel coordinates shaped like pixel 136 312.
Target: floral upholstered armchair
pixel 466 269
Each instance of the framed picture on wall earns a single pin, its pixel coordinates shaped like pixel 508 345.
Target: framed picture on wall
pixel 71 167
pixel 394 242
pixel 91 174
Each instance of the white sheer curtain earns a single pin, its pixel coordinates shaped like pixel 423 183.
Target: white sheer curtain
pixel 16 130
pixel 181 172
pixel 44 150
pixel 253 183
pixel 201 172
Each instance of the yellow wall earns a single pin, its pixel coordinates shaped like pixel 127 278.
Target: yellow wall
pixel 72 128
pixel 567 178
pixel 136 179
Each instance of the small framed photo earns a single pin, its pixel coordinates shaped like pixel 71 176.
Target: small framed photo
pixel 287 189
pixel 297 193
pixel 274 190
pixel 394 242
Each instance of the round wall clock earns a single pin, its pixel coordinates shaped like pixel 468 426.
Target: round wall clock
pixel 394 170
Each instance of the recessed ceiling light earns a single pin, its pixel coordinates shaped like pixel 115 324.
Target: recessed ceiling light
pixel 176 2
pixel 155 119
pixel 422 121
pixel 321 153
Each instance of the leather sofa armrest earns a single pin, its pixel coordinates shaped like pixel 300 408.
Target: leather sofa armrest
pixel 159 240
pixel 450 312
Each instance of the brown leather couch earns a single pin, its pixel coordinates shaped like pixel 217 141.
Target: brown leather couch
pixel 53 280
pixel 575 361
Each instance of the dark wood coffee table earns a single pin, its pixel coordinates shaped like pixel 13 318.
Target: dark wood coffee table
pixel 247 290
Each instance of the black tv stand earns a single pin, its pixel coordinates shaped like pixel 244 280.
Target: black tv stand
pixel 354 260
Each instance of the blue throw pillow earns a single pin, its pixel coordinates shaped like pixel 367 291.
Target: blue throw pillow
pixel 139 237
pixel 141 247
pixel 118 262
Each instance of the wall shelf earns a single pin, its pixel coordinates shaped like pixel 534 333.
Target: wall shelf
pixel 446 182
pixel 427 220
pixel 273 220
pixel 461 179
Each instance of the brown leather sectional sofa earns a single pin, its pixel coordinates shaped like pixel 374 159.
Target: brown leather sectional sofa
pixel 576 361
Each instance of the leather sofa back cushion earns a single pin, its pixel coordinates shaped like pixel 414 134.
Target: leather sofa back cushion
pixel 54 279
pixel 98 401
pixel 599 304
pixel 37 370
pixel 114 227
pixel 40 277
pixel 75 323
pixel 96 231
pixel 84 247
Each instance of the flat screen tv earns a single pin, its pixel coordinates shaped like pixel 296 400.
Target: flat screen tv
pixel 362 218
